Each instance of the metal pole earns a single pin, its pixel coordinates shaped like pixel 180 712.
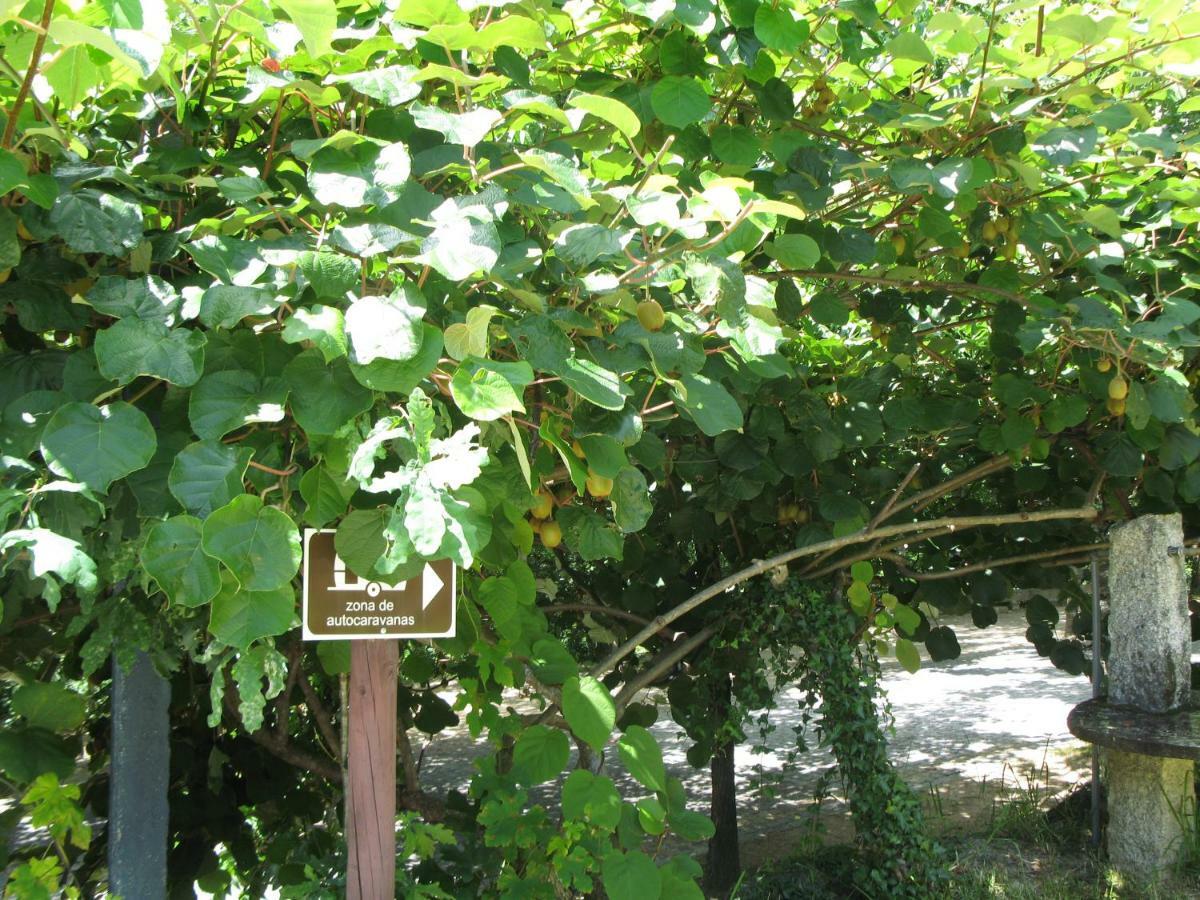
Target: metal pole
pixel 1097 648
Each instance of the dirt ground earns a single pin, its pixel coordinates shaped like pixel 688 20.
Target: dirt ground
pixel 966 732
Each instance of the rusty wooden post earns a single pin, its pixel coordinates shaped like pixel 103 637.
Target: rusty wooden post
pixel 371 776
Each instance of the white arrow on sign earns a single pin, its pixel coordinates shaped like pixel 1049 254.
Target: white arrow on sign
pixel 430 585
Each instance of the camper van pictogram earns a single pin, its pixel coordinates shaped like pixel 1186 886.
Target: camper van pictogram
pixel 345 580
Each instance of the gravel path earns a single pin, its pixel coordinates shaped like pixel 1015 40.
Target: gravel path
pixel 965 730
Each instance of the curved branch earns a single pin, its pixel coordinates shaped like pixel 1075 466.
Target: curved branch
pixel 901 284
pixel 859 537
pixel 659 666
pixel 39 44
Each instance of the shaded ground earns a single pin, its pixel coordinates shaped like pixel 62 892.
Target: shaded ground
pixel 966 731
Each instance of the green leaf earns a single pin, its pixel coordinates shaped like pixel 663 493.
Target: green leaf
pixel 631 875
pixel 589 710
pixel 679 101
pixel 614 112
pixel 207 474
pixel 316 19
pixel 470 338
pixel 225 305
pixel 92 221
pixel 401 377
pixel 365 174
pixel 330 275
pixel 334 657
pixel 589 535
pixel 148 298
pixel 259 544
pixel 907 45
pixel 239 617
pixel 487 390
pixel 385 327
pixel 736 144
pixel 643 758
pixel 467 129
pixel 778 30
pixel 794 251
pixel 172 556
pixel 225 401
pixel 133 347
pixel 828 310
pixel 96 445
pixel 907 655
pixel 49 705
pixel 391 85
pixel 631 500
pixel 26 753
pixel 323 326
pixel 53 554
pixel 591 798
pixel 593 383
pixel 323 397
pixel 708 403
pixel 326 495
pixel 539 754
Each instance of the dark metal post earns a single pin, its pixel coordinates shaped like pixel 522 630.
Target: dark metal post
pixel 1097 647
pixel 137 814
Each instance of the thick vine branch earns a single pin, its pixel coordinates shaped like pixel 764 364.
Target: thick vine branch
pixel 859 537
pixel 900 284
pixel 660 666
pixel 39 44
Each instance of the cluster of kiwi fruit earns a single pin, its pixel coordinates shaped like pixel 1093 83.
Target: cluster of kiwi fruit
pixel 791 514
pixel 544 503
pixel 1118 388
pixel 818 100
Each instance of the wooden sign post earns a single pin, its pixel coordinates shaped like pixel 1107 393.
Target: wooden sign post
pixel 338 605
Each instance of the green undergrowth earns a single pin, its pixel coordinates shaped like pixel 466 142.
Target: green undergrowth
pixel 1031 845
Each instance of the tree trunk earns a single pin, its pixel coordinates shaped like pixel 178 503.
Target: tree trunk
pixel 723 865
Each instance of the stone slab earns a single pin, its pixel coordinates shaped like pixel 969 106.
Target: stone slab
pixel 1174 735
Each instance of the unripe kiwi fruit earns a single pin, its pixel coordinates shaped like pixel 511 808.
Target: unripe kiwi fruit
pixel 1116 406
pixel 989 232
pixel 550 534
pixel 1118 388
pixel 598 485
pixel 899 244
pixel 543 505
pixel 650 314
pixel 1104 364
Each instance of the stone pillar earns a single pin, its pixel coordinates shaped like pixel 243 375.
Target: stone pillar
pixel 137 806
pixel 1150 800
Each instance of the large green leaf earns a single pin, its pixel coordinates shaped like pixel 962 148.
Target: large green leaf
pixel 631 875
pixel 238 617
pixel 259 544
pixel 49 705
pixel 140 298
pixel 96 445
pixel 487 390
pixel 364 174
pixel 316 19
pixel 589 535
pixel 326 495
pixel 323 326
pixel 133 347
pixel 540 754
pixel 225 401
pixel 208 474
pixel 631 500
pixel 593 798
pixel 93 221
pixel 709 404
pixel 323 397
pixel 589 709
pixel 385 327
pixel 679 101
pixel 642 757
pixel 173 557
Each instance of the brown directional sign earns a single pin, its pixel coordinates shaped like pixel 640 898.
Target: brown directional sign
pixel 340 605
